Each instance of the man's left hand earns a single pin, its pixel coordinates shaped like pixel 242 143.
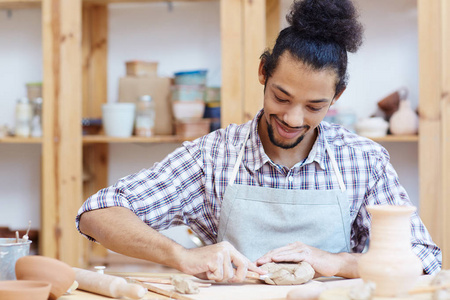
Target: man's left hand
pixel 324 263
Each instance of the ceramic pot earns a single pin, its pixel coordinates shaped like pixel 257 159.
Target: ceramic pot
pixel 24 290
pixel 35 267
pixel 404 120
pixel 390 262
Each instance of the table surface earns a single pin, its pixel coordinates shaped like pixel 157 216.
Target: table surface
pixel 252 290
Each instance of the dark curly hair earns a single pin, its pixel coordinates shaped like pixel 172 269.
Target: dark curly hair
pixel 320 34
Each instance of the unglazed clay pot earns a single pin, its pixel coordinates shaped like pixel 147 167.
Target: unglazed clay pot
pixel 390 262
pixel 35 267
pixel 24 290
pixel 404 120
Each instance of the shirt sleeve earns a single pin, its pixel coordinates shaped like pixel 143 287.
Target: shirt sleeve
pixel 168 194
pixel 385 188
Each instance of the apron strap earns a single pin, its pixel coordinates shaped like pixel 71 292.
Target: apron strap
pixel 239 160
pixel 335 166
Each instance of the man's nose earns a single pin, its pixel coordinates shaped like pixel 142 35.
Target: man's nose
pixel 294 117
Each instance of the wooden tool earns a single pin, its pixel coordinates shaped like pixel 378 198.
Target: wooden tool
pixel 428 289
pixel 107 285
pixel 157 290
pixel 163 281
pixel 254 275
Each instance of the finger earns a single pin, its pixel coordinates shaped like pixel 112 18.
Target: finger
pixel 216 271
pixel 241 264
pixel 228 272
pixel 253 267
pixel 290 257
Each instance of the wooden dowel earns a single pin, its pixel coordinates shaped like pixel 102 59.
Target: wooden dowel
pixel 163 280
pixel 171 294
pixel 428 289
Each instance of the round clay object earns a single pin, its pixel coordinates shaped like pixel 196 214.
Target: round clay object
pixel 24 290
pixel 35 267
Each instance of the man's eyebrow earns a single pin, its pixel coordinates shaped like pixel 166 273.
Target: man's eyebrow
pixel 281 89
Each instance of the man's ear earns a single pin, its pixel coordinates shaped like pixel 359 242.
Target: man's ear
pixel 261 72
pixel 337 97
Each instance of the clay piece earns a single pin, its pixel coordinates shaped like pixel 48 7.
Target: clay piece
pixel 441 279
pixel 184 285
pixel 288 273
pixel 362 291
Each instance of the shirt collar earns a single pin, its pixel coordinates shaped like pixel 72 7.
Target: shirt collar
pixel 256 157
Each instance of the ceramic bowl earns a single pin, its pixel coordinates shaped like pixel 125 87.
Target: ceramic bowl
pixel 24 290
pixel 35 267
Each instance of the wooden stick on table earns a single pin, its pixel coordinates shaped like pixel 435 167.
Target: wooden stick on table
pixel 162 280
pixel 171 294
pixel 428 289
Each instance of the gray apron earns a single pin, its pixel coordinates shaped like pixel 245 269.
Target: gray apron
pixel 258 219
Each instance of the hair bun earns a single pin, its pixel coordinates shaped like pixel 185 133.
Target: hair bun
pixel 327 20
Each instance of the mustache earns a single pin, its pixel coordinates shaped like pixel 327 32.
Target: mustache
pixel 287 125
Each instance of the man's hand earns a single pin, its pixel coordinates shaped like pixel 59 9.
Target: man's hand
pixel 324 263
pixel 215 262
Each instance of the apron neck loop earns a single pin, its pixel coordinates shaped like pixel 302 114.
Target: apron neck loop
pixel 239 159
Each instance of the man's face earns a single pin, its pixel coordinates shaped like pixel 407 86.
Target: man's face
pixel 296 99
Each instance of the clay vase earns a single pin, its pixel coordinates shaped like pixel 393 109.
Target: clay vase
pixel 390 262
pixel 35 267
pixel 404 120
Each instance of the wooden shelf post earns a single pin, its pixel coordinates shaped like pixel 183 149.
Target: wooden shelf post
pixel 61 158
pixel 434 97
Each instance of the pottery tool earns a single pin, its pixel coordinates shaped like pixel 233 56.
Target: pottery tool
pixel 162 281
pixel 428 289
pixel 17 237
pixel 157 290
pixel 25 237
pixel 254 275
pixel 107 285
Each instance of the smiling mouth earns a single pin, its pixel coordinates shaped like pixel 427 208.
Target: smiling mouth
pixel 288 132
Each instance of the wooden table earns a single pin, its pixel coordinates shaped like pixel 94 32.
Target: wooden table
pixel 336 288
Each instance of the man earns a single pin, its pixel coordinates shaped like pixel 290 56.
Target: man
pixel 283 187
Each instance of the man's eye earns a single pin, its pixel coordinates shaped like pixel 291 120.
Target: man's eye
pixel 281 100
pixel 312 108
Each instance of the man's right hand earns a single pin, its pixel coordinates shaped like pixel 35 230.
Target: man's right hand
pixel 215 262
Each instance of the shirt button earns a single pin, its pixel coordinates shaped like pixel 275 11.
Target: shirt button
pixel 290 178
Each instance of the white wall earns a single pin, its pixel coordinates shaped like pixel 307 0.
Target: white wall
pixel 186 38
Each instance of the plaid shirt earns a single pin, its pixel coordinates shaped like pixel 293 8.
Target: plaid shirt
pixel 187 187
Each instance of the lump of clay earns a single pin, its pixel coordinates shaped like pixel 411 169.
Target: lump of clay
pixel 441 279
pixel 288 273
pixel 184 285
pixel 362 291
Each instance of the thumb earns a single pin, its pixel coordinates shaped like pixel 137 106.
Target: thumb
pixel 252 267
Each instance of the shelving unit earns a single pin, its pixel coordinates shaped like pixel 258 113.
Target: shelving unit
pixel 74 54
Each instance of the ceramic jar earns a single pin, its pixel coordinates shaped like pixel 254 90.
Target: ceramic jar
pixel 404 120
pixel 390 262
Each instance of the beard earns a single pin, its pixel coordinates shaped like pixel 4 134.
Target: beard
pixel 273 140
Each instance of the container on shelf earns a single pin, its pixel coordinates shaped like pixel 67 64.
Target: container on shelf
pixel 91 126
pixel 145 116
pixel 188 92
pixel 188 109
pixel 118 119
pixel 141 68
pixel 24 115
pixel 192 127
pixel 212 111
pixel 197 77
pixel 34 90
pixel 212 94
pixel 36 121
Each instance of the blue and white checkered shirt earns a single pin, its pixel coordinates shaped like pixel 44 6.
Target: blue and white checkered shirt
pixel 187 187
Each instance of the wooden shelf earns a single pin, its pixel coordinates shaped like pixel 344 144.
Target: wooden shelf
pixel 397 138
pixel 97 139
pixel 18 4
pixel 20 140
